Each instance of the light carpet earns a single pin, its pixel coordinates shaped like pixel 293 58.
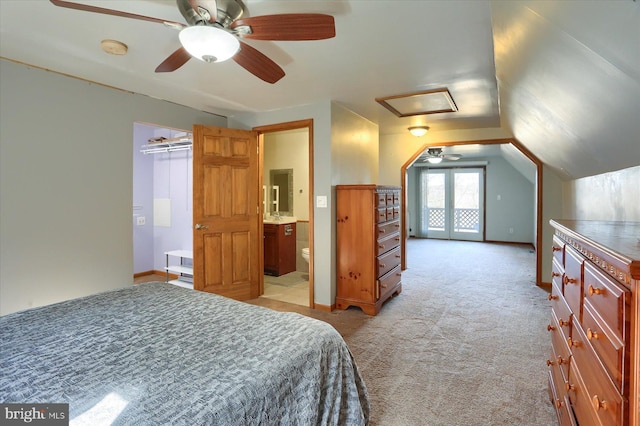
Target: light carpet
pixel 465 343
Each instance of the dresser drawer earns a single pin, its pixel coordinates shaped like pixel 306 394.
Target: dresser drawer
pixel 396 198
pixel 389 281
pixel 561 311
pixel 597 394
pixel 572 280
pixel 381 199
pixel 579 399
pixel 388 261
pixel 385 229
pixel 557 271
pixel 561 403
pixel 393 213
pixel 381 214
pixel 608 298
pixel 559 346
pixel 385 244
pixel 607 345
pixel 389 198
pixel 558 250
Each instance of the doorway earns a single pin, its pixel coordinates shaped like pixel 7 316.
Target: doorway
pixel 286 170
pixel 452 203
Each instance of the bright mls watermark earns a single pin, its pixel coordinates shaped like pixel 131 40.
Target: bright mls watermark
pixel 36 414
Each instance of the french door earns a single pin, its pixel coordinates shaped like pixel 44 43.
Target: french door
pixel 452 204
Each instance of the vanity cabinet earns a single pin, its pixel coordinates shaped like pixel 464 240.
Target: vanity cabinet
pixel 279 248
pixel 368 246
pixel 594 364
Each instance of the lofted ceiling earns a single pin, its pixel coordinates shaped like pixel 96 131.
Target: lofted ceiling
pixel 563 77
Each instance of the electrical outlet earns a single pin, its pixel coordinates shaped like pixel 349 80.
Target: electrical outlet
pixel 140 220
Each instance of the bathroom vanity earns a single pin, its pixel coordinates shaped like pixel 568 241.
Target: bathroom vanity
pixel 279 247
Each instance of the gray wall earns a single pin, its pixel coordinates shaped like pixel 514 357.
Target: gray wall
pixel 66 171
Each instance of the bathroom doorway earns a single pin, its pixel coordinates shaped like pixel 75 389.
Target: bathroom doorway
pixel 286 156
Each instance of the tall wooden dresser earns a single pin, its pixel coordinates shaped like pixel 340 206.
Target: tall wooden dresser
pixel 594 365
pixel 368 246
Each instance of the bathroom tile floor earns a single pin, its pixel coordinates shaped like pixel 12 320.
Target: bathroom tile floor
pixel 290 288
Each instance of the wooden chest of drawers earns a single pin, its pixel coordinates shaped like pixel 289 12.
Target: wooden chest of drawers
pixel 594 364
pixel 368 246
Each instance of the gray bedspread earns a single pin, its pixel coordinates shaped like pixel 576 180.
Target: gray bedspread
pixel 159 354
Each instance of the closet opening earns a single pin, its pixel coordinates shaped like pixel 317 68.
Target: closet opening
pixel 162 204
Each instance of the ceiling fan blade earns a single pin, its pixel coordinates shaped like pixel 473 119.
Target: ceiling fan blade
pixel 452 156
pixel 174 61
pixel 290 27
pixel 258 64
pixel 104 11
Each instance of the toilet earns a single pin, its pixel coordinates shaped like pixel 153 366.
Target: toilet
pixel 305 254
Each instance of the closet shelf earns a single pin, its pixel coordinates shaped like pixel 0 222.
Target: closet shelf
pixel 159 145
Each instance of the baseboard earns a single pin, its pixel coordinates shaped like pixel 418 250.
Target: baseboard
pixel 511 242
pixel 325 308
pixel 155 272
pixel 143 274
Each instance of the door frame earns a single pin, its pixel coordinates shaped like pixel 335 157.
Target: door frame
pixel 279 127
pixel 538 189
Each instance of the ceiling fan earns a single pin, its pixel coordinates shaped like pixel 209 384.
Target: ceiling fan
pixel 214 29
pixel 435 156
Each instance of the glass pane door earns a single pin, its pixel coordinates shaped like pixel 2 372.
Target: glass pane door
pixel 467 204
pixel 452 204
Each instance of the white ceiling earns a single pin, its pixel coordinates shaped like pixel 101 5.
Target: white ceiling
pixel 562 77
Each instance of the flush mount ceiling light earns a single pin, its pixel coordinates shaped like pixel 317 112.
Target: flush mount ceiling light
pixel 434 160
pixel 114 47
pixel 419 130
pixel 419 103
pixel 209 44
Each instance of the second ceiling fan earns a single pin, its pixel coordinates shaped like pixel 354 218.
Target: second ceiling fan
pixel 214 29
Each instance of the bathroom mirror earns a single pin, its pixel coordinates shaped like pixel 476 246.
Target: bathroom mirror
pixel 283 179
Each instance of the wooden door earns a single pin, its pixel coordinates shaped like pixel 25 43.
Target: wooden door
pixel 225 212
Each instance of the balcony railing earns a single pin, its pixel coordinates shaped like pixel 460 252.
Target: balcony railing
pixel 464 220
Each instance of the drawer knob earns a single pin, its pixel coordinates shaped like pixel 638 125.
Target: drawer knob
pixel 382 265
pixel 598 404
pixel 595 290
pixel 552 297
pixel 559 403
pixel 568 386
pixel 592 334
pixel 555 274
pixel 557 249
pixel 567 280
pixel 382 231
pixel 562 361
pixel 550 327
pixel 563 322
pixel 380 246
pixel 550 363
pixel 573 343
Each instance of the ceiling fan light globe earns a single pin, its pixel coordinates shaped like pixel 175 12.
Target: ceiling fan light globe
pixel 434 160
pixel 209 44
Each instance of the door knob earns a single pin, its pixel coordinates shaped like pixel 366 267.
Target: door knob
pixel 200 226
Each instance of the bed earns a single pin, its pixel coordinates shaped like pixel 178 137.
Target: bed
pixel 160 354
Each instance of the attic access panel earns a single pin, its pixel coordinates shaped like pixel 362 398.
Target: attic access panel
pixel 420 103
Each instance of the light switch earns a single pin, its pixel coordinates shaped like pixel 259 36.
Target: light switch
pixel 140 220
pixel 321 201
